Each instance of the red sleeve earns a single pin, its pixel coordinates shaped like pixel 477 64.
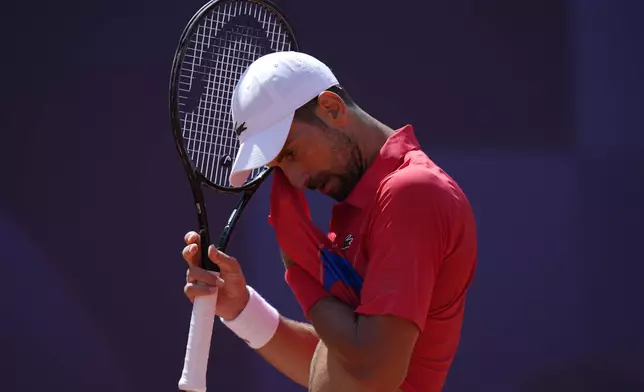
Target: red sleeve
pixel 405 246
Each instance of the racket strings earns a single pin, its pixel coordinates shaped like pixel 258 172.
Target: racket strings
pixel 224 44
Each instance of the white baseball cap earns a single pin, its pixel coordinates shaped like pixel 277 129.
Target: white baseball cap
pixel 264 102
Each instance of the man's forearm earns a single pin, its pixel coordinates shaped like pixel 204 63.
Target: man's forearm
pixel 348 352
pixel 337 325
pixel 358 344
pixel 291 349
pixel 335 322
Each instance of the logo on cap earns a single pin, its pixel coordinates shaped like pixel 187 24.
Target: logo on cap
pixel 240 128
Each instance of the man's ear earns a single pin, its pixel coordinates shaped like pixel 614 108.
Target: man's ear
pixel 331 108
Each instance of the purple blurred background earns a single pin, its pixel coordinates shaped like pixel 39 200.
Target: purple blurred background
pixel 535 108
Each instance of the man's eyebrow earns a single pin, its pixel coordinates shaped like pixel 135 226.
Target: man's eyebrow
pixel 283 152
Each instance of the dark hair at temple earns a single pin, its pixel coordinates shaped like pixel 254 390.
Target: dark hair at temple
pixel 306 112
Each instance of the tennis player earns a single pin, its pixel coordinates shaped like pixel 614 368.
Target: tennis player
pixel 384 290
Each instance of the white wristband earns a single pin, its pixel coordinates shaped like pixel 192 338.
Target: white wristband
pixel 257 323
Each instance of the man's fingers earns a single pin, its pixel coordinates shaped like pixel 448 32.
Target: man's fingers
pixel 191 254
pixel 226 263
pixel 193 290
pixel 191 237
pixel 200 282
pixel 196 274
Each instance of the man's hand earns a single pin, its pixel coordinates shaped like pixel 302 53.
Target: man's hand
pixel 291 348
pixel 233 294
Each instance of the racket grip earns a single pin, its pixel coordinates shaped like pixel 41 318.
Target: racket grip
pixel 195 365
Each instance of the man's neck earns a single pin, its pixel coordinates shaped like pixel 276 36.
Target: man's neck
pixel 370 135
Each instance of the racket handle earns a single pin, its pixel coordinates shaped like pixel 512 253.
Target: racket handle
pixel 195 365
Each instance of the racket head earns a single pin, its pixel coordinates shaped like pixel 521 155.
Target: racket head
pixel 218 44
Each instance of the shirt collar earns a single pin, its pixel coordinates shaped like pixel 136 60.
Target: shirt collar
pixel 389 159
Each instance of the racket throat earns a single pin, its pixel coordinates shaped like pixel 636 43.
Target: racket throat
pixel 232 221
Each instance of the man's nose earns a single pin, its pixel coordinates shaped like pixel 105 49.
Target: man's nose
pixel 297 177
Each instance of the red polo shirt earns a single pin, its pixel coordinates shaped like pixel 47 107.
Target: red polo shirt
pixel 408 231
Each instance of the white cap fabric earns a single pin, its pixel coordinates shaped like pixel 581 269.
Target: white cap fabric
pixel 264 101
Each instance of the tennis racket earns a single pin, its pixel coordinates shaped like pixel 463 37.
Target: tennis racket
pixel 219 43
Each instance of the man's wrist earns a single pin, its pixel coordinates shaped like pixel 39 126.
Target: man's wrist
pixel 243 303
pixel 256 323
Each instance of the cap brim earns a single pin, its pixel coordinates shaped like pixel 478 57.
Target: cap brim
pixel 259 149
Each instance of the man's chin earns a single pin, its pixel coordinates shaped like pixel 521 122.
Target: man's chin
pixel 338 196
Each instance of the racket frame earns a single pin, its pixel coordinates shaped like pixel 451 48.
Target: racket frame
pixel 194 375
pixel 196 179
